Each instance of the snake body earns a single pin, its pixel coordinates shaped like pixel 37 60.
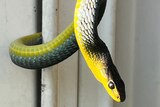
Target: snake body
pixel 28 52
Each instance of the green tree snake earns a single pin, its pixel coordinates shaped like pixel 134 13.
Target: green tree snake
pixel 29 52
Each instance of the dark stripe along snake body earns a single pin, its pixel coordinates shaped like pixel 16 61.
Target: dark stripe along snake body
pixel 88 14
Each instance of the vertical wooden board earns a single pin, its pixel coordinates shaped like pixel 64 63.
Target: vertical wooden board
pixel 49 75
pixel 67 76
pixel 65 13
pixel 91 92
pixel 138 51
pixel 125 32
pixel 68 69
pixel 17 85
pixel 67 82
pixel 49 87
pixel 146 78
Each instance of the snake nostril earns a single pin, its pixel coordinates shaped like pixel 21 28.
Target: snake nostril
pixel 118 97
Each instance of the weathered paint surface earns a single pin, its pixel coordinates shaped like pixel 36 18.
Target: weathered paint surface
pixel 137 51
pixel 17 85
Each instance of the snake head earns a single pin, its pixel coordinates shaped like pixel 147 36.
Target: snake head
pixel 114 85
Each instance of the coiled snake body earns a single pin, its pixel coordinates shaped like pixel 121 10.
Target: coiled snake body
pixel 82 34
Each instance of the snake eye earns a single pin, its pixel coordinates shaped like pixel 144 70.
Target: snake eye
pixel 111 85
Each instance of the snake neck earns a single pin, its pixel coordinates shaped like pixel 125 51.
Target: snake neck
pixel 92 47
pixel 85 22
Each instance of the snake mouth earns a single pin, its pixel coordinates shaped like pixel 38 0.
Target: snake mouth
pixel 122 99
pixel 122 96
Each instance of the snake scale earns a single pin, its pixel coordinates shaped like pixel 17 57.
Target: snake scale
pixel 29 52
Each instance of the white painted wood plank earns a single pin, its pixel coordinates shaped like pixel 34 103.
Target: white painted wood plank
pixel 125 32
pixel 17 85
pixel 67 74
pixel 49 75
pixel 91 92
pixel 67 82
pixel 146 75
pixel 138 49
pixel 68 69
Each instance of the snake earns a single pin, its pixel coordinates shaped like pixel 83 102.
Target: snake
pixel 82 34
